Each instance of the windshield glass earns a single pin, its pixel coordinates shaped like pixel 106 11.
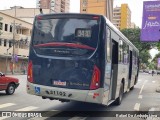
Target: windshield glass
pixel 65 36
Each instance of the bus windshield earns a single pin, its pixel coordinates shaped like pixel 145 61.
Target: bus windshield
pixel 65 36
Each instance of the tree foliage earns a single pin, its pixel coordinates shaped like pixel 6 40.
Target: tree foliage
pixel 158 46
pixel 144 56
pixel 152 65
pixel 155 59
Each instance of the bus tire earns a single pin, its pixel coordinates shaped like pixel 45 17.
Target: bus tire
pixel 132 87
pixel 121 91
pixel 136 80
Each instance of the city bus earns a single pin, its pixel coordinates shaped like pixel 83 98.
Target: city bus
pixel 80 57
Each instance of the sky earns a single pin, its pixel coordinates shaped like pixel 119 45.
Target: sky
pixel 135 6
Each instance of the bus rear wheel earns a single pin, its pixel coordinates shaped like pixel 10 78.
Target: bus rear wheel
pixel 132 87
pixel 119 99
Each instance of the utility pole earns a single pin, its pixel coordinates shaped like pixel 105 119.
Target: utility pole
pixel 14 31
pixel 13 55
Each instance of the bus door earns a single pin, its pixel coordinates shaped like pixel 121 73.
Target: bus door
pixel 108 66
pixel 114 70
pixel 130 69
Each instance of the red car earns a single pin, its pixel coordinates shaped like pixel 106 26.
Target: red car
pixel 8 84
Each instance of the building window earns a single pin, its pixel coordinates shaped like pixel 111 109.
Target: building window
pixel 6 27
pixel 10 28
pixel 10 43
pixel 1 26
pixel 5 43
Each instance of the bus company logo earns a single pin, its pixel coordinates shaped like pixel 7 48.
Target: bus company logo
pixel 59 83
pixel 62 51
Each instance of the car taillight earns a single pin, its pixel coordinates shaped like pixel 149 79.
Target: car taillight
pixel 30 73
pixel 95 83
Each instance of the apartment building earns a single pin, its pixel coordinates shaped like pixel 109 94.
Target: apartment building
pixel 26 14
pixel 103 7
pixel 55 6
pixel 122 16
pixel 14 43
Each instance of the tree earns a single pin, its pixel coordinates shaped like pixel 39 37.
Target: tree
pixel 144 56
pixel 152 66
pixel 156 58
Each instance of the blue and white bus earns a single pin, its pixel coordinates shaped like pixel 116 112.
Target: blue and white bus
pixel 80 57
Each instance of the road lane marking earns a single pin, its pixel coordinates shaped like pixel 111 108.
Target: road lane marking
pixel 152 109
pixel 7 105
pixel 137 106
pixel 142 86
pixel 140 97
pixel 153 81
pixel 27 108
pixel 3 118
pixel 141 89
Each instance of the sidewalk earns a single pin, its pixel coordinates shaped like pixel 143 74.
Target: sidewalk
pixel 155 110
pixel 158 88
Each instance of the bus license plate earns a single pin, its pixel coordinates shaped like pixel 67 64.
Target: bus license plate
pixel 57 93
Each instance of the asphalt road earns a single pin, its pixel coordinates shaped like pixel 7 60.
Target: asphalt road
pixel 142 98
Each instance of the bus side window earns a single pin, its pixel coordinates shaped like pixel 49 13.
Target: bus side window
pixel 134 58
pixel 125 48
pixel 120 59
pixel 108 41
